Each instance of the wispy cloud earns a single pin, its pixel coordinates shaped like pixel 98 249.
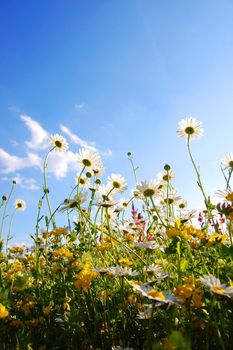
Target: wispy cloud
pixel 39 137
pixel 107 153
pixel 10 163
pixel 59 164
pixel 27 183
pixel 77 140
pixel 79 106
pixel 14 109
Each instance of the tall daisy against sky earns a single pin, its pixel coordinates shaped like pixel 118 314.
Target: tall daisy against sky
pixel 191 128
pixel 113 77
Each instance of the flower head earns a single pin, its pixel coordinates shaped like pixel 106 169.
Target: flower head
pixel 225 195
pixel 154 294
pixel 227 161
pixel 169 198
pixel 3 311
pixel 166 176
pixel 59 143
pixel 20 204
pixel 216 286
pixel 190 128
pixel 145 189
pixel 90 160
pixel 117 182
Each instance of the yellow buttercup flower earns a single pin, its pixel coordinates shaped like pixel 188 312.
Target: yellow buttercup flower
pixel 3 311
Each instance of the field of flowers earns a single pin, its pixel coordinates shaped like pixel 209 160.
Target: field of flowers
pixel 144 272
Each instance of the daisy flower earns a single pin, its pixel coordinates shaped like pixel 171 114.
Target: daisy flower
pixel 89 159
pixel 117 182
pixel 182 204
pixel 104 196
pixel 146 189
pixel 154 294
pixel 122 204
pixel 20 204
pixel 166 175
pixel 216 286
pixel 121 271
pixel 190 128
pixel 150 245
pixel 169 198
pixel 59 143
pixel 225 195
pixel 98 170
pixel 82 180
pixel 227 161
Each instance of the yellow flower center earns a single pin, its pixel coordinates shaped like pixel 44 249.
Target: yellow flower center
pixel 229 196
pixel 156 294
pixel 149 192
pixel 189 130
pixel 58 144
pixel 217 289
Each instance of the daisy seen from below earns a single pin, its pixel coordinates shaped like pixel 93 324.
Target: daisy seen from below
pixel 147 188
pixel 105 196
pixel 190 128
pixel 82 180
pixel 117 182
pixel 59 143
pixel 225 195
pixel 169 198
pixel 90 160
pixel 227 161
pixel 216 286
pixel 166 176
pixel 122 204
pixel 20 204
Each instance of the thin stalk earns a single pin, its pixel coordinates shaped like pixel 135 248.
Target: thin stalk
pixel 46 190
pixel 9 230
pixel 199 183
pixel 4 210
pixel 130 157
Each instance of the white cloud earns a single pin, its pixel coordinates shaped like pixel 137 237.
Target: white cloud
pixel 79 106
pixel 27 183
pixel 14 109
pixel 39 137
pixel 107 153
pixel 77 140
pixel 60 163
pixel 10 163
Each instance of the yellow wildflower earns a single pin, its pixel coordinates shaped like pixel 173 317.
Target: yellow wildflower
pixel 84 278
pixel 215 238
pixel 63 252
pixel 3 311
pixel 132 299
pixel 125 262
pixel 46 310
pixel 59 231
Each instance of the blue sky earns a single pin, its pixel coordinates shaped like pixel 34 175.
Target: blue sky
pixel 119 75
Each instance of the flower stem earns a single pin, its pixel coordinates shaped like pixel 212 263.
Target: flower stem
pixel 46 190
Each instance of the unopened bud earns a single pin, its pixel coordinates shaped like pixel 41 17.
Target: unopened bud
pixel 167 167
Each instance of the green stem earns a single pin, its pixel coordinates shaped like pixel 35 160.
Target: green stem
pixel 4 210
pixel 9 231
pixel 46 190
